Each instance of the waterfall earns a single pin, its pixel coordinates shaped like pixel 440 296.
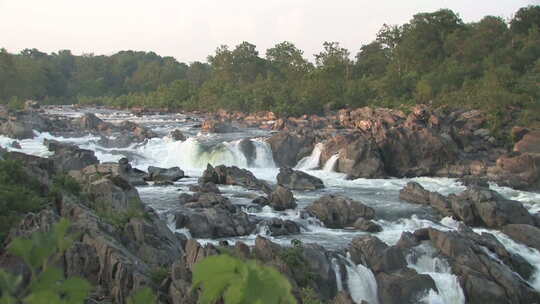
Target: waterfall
pixel 424 261
pixel 362 284
pixel 330 165
pixel 311 162
pixel 191 153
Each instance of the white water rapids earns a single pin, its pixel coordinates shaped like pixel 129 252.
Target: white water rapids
pixel 395 216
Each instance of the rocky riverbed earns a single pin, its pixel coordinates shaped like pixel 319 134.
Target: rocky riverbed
pixel 379 205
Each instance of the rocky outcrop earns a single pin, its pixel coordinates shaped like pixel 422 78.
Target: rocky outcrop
pixel 69 157
pixel 522 233
pixel 16 129
pixel 289 148
pixel 210 215
pixel 482 278
pixel 277 227
pixel 396 282
pixel 223 175
pixel 281 199
pixel 298 180
pixel 529 143
pixel 476 206
pixel 177 135
pixel 337 211
pixel 161 174
pixel 359 156
pixel 91 122
pixel 517 170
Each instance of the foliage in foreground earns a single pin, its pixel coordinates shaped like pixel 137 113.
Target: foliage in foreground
pixel 240 282
pixel 47 283
pixel 19 194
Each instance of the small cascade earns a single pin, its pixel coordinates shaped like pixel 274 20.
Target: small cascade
pixel 191 153
pixel 362 284
pixel 337 270
pixel 424 261
pixel 313 161
pixel 330 165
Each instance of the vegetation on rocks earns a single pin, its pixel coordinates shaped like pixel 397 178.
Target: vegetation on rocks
pixel 19 194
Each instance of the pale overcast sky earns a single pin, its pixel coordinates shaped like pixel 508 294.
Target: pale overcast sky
pixel 191 30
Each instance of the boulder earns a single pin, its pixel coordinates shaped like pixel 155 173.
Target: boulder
pixel 223 175
pixel 278 227
pixel 16 129
pixel 413 192
pixel 359 156
pixel 31 105
pixel 161 174
pixel 367 226
pixel 177 135
pixel 517 170
pixel 69 157
pixel 522 233
pixel 205 187
pixel 337 211
pixel 289 148
pixel 298 180
pixel 91 122
pixel 403 287
pixel 484 207
pixel 282 199
pixel 249 150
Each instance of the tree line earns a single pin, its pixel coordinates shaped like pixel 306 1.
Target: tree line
pixel 436 58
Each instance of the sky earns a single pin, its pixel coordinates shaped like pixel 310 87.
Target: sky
pixel 191 30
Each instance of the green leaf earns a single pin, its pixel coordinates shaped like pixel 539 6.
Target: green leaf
pixel 75 290
pixel 142 296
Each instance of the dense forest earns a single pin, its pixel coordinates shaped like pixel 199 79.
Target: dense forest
pixel 434 58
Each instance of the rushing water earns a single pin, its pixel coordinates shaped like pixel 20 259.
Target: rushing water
pixel 193 154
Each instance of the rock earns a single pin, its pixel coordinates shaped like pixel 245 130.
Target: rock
pixel 212 126
pixel 16 129
pixel 15 144
pixel 278 227
pixel 368 226
pixel 413 192
pixel 359 156
pixel 134 176
pixel 282 199
pixel 344 298
pixel 379 257
pixel 530 143
pixel 90 121
pixel 168 175
pixel 206 187
pixel 298 180
pixel 517 170
pixel 289 148
pixel 403 287
pixel 139 132
pixel 482 278
pixel 484 207
pixel 177 135
pixel 337 211
pixel 249 150
pixel 522 233
pixel 222 175
pixel 69 157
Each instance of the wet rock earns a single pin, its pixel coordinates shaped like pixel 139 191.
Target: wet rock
pixel 223 175
pixel 482 278
pixel 249 150
pixel 379 257
pixel 206 187
pixel 15 144
pixel 403 287
pixel 289 148
pixel 526 234
pixel 366 225
pixel 214 223
pixel 134 176
pixel 517 170
pixel 413 192
pixel 282 199
pixel 16 129
pixel 168 175
pixel 359 156
pixel 69 157
pixel 31 105
pixel 90 121
pixel 177 135
pixel 484 207
pixel 337 211
pixel 278 227
pixel 298 180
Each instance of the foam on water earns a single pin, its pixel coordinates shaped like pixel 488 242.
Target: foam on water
pixel 313 161
pixel 424 261
pixel 361 283
pixel 330 165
